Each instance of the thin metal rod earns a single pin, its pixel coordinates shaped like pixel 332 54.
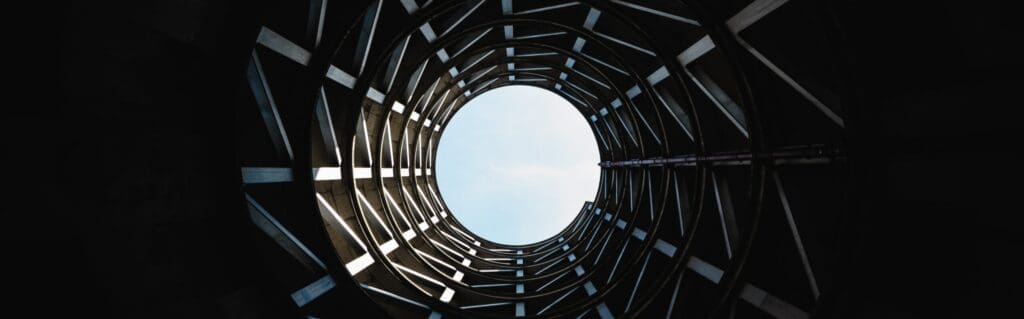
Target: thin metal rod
pixel 809 154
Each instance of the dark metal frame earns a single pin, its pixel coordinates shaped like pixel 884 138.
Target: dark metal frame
pixel 636 172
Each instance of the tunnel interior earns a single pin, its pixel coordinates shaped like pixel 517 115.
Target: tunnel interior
pixel 716 146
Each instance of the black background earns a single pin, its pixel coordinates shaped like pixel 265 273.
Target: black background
pixel 122 188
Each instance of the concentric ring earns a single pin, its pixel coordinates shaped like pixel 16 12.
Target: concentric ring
pixel 705 199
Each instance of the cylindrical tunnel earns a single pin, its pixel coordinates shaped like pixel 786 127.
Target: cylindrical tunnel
pixel 721 133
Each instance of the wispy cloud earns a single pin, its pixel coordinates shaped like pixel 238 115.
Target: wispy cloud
pixel 516 164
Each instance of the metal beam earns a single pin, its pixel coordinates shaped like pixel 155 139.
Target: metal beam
pixel 548 8
pixel 269 225
pixel 262 175
pixel 806 154
pixel 798 241
pixel 656 12
pixel 323 117
pixel 274 41
pixel 723 200
pixel 268 108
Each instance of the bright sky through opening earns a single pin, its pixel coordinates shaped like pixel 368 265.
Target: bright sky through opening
pixel 516 164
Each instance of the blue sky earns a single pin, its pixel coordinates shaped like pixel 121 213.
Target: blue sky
pixel 516 164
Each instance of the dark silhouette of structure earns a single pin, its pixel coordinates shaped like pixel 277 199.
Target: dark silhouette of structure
pixel 717 145
pixel 765 158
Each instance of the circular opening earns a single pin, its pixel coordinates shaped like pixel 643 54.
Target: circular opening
pixel 516 164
